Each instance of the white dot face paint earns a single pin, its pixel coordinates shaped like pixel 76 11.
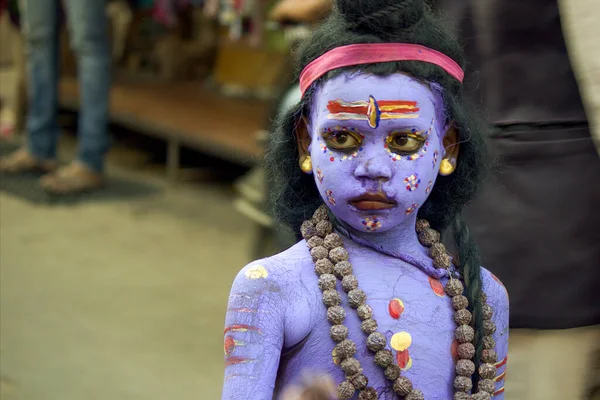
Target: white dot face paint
pixel 375 148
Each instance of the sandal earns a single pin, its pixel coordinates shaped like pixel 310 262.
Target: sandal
pixel 72 179
pixel 22 161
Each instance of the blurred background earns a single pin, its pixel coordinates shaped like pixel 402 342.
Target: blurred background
pixel 121 293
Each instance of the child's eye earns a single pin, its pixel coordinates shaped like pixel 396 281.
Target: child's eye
pixel 342 140
pixel 405 143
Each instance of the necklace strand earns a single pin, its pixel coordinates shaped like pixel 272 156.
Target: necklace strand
pixel 331 263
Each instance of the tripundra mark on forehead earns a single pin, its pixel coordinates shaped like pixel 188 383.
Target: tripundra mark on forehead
pixel 372 110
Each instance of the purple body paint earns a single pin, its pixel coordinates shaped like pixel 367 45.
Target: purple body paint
pixel 291 333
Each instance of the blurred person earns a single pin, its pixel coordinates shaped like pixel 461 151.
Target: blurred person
pixel 89 34
pixel 537 221
pixel 380 155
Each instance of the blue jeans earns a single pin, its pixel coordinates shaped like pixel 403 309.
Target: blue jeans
pixel 88 28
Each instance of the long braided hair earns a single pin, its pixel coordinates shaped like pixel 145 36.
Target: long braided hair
pixel 295 196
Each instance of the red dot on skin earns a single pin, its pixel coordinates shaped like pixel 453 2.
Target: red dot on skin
pixel 437 287
pixel 332 159
pixel 454 350
pixel 396 308
pixel 402 358
pixel 229 345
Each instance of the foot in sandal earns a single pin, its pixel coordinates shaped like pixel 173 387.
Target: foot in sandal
pixel 72 179
pixel 22 161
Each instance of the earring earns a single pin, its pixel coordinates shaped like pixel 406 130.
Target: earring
pixel 306 166
pixel 447 167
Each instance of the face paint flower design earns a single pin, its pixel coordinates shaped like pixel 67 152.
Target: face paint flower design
pixel 413 157
pixel 323 148
pixel 320 175
pixel 371 224
pixel 330 198
pixel 412 182
pixel 429 187
pixel 410 210
pixel 434 161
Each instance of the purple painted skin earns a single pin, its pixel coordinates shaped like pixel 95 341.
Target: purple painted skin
pixel 287 334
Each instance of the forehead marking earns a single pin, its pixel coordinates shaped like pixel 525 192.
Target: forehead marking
pixel 372 110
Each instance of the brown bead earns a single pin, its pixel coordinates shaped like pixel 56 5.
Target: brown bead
pixel 323 228
pixel 481 396
pixel 489 356
pixel 320 214
pixel 369 326
pixel 464 334
pixel 314 241
pixel 336 315
pixel 422 225
pixel 436 250
pixel 323 266
pixel 461 396
pixel 342 269
pixel 428 237
pixel 489 343
pixel 487 371
pixel 488 312
pixel 349 282
pixel 365 312
pixel 351 366
pixel 403 386
pixel 332 241
pixel 466 351
pixel 483 297
pixel 338 254
pixel 308 230
pixel 463 383
pixel 443 261
pixel 345 349
pixel 486 385
pixel 318 253
pixel 338 332
pixel 454 287
pixel 392 372
pixel 489 328
pixel 465 368
pixel 359 381
pixel 356 298
pixel 345 390
pixel 368 394
pixel 327 282
pixel 460 302
pixel 331 298
pixel 384 358
pixel 376 341
pixel 415 394
pixel 462 317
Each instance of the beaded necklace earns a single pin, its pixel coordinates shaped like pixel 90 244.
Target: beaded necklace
pixel 331 263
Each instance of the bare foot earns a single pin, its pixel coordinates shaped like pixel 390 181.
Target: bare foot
pixel 22 161
pixel 74 178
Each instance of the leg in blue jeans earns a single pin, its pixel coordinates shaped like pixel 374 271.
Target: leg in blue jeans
pixel 88 28
pixel 39 19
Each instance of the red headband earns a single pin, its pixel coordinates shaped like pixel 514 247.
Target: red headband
pixel 369 53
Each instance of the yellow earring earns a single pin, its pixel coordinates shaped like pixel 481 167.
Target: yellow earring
pixel 447 167
pixel 306 166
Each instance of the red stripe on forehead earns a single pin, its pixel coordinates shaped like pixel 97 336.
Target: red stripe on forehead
pixel 361 107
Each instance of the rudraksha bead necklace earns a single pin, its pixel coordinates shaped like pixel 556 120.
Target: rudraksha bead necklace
pixel 331 263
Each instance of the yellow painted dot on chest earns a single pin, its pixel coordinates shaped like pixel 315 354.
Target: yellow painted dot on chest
pixel 401 341
pixel 256 272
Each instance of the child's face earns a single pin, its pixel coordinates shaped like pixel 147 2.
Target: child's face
pixel 376 147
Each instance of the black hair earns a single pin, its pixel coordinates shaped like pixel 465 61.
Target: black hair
pixel 295 196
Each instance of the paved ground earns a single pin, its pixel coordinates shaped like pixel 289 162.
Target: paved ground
pixel 117 301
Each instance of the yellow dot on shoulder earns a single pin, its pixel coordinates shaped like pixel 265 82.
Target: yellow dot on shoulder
pixel 256 272
pixel 401 341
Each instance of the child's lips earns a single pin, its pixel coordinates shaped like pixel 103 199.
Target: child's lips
pixel 372 201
